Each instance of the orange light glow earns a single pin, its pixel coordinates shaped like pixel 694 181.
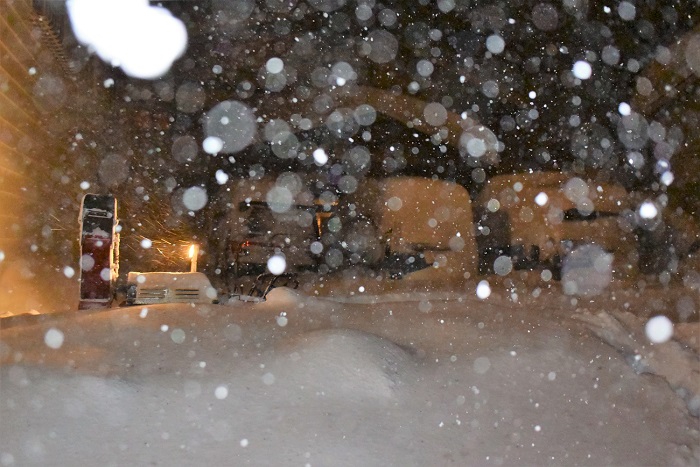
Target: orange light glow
pixel 193 254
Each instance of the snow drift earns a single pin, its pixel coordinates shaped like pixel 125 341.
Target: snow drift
pixel 296 380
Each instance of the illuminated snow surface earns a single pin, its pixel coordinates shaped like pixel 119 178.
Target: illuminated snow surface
pixel 399 379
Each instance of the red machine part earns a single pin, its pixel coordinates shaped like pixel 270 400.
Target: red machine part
pixel 99 246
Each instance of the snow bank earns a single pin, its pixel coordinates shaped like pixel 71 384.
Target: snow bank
pixel 309 381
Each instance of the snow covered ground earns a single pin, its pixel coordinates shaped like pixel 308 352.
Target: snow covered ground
pixel 396 379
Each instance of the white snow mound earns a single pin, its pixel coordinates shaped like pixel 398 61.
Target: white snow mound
pixel 344 364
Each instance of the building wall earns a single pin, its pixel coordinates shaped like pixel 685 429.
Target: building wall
pixel 39 181
pixel 20 120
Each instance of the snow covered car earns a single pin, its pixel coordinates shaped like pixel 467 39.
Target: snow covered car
pixel 356 202
pixel 411 228
pixel 538 218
